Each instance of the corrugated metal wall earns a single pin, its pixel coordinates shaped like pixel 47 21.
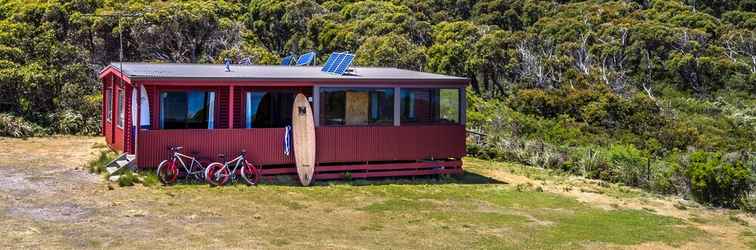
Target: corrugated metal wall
pixel 361 144
pixel 334 144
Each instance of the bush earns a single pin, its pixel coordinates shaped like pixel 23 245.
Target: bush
pixel 718 181
pixel 150 178
pixel 629 165
pixel 72 122
pixel 14 126
pixel 591 163
pixel 128 178
pixel 97 165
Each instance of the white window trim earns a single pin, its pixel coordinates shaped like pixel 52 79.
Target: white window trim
pixel 109 105
pixel 211 110
pixel 121 119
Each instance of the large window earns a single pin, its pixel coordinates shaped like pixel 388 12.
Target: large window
pixel 356 106
pixel 108 104
pixel 430 105
pixel 121 109
pixel 187 109
pixel 268 109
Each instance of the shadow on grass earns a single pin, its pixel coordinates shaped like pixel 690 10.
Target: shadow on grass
pixel 466 178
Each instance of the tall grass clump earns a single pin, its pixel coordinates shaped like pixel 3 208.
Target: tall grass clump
pixel 97 165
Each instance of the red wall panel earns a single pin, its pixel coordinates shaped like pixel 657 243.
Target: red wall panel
pixel 334 144
pixel 263 145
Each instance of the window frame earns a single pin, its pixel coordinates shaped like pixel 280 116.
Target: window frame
pixel 433 99
pixel 120 120
pixel 211 101
pixel 109 105
pixel 322 102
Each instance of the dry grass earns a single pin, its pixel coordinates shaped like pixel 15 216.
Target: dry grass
pixel 47 200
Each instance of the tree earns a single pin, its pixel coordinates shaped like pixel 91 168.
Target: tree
pixel 391 51
pixel 453 44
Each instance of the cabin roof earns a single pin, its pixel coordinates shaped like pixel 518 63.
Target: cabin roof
pixel 213 72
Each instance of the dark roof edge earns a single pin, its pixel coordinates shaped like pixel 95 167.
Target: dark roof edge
pixel 458 81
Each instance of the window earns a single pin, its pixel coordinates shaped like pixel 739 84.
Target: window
pixel 356 106
pixel 109 105
pixel 449 101
pixel 121 109
pixel 268 109
pixel 429 105
pixel 187 109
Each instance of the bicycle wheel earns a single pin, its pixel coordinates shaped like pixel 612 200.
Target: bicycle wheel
pixel 198 169
pixel 167 172
pixel 250 174
pixel 216 174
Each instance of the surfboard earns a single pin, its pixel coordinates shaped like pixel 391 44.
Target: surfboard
pixel 303 126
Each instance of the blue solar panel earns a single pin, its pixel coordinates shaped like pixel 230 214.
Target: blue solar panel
pixel 306 59
pixel 329 62
pixel 287 60
pixel 339 58
pixel 344 65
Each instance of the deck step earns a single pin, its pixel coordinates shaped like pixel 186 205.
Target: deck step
pixel 120 163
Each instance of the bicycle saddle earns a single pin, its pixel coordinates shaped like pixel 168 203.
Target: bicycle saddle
pixel 222 156
pixel 243 151
pixel 177 148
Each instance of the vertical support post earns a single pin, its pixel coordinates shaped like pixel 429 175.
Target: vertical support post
pixel 138 115
pixel 462 106
pixel 397 106
pixel 231 106
pixel 316 104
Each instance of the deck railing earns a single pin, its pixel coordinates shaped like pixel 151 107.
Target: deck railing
pixel 264 146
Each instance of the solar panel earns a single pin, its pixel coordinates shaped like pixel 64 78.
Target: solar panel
pixel 344 65
pixel 287 60
pixel 306 59
pixel 336 62
pixel 329 61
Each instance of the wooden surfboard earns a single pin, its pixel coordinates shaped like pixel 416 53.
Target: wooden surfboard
pixel 303 126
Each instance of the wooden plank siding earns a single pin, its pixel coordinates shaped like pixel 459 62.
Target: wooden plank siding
pixel 334 144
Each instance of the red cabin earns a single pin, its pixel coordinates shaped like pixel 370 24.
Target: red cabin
pixel 372 122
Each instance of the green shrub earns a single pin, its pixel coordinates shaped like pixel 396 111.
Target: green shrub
pixel 629 165
pixel 150 178
pixel 128 178
pixel 591 162
pixel 14 126
pixel 97 165
pixel 73 122
pixel 716 180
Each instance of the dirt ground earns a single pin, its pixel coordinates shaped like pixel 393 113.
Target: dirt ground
pixel 48 200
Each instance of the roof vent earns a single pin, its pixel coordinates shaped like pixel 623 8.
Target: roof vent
pixel 227 63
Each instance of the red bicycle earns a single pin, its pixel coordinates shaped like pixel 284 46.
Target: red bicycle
pixel 217 174
pixel 169 170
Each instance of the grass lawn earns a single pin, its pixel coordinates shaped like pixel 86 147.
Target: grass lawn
pixel 493 206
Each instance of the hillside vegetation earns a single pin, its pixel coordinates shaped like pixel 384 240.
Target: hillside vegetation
pixel 657 94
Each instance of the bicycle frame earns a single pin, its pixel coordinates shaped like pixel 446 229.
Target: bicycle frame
pixel 232 171
pixel 178 157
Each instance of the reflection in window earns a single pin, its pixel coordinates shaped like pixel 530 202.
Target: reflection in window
pixel 187 109
pixel 268 109
pixel 121 109
pixel 108 104
pixel 356 106
pixel 449 101
pixel 429 105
